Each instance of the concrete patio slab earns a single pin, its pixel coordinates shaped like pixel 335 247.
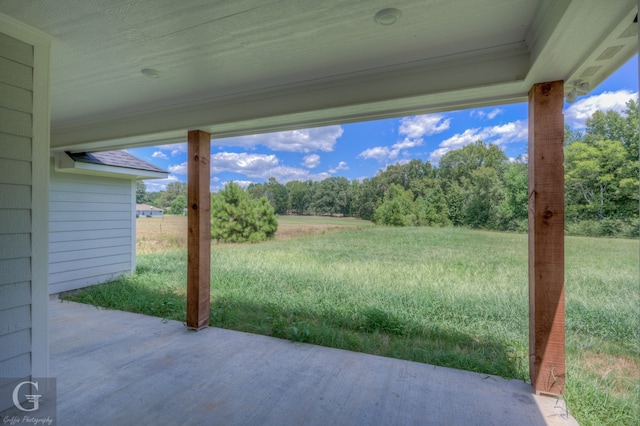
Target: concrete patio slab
pixel 120 368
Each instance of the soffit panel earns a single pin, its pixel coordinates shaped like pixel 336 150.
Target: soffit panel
pixel 319 59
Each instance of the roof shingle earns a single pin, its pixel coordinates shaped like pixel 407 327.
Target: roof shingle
pixel 116 159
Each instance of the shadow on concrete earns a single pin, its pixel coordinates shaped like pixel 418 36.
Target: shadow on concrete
pixel 367 329
pixel 115 367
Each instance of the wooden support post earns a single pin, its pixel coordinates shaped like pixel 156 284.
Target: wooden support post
pixel 199 233
pixel 546 238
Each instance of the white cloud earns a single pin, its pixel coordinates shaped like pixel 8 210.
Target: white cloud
pixel 257 166
pixel 435 156
pixel 516 131
pixel 423 125
pixel 311 161
pixel 341 166
pixel 577 114
pixel 173 148
pixel 159 154
pixel 523 159
pixel 179 169
pixel 406 144
pixel 379 153
pixel 413 128
pixel 494 113
pixel 483 114
pixel 252 165
pixel 306 140
pixel 220 185
pixel 155 185
pixel 241 183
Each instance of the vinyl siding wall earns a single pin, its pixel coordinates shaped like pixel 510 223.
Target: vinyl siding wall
pixel 91 230
pixel 16 115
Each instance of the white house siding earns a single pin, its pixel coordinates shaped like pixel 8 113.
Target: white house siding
pixel 16 114
pixel 91 230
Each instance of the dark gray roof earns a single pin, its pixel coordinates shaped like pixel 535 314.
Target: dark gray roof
pixel 116 159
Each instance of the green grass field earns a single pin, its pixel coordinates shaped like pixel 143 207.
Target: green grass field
pixel 446 296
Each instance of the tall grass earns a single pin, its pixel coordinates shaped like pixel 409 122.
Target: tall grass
pixel 445 296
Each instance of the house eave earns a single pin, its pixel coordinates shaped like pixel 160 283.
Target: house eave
pixel 65 164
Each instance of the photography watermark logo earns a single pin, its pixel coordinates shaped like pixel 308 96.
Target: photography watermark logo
pixel 28 401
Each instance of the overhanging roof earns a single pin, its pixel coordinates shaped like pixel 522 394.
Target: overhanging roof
pixel 250 66
pixel 108 163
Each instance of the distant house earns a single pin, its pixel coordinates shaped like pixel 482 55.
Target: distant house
pixel 145 210
pixel 92 216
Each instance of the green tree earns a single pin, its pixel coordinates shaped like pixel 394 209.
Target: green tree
pixel 459 165
pixel 277 195
pixel 472 181
pixel 432 209
pixel 299 196
pixel 514 209
pixel 174 189
pixel 365 199
pixel 236 217
pixel 397 208
pixel 571 136
pixel 485 195
pixel 178 205
pixel 455 196
pixel 600 181
pixel 333 196
pixel 611 125
pixel 141 192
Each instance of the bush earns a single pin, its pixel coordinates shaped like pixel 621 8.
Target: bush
pixel 238 218
pixel 621 228
pixel 397 209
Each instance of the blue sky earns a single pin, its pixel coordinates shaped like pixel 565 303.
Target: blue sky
pixel 360 150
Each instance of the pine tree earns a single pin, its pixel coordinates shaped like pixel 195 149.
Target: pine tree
pixel 236 217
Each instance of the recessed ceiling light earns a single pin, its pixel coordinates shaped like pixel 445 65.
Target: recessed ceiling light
pixel 387 16
pixel 150 72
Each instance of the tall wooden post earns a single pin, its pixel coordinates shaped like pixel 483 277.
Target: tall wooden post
pixel 199 232
pixel 546 238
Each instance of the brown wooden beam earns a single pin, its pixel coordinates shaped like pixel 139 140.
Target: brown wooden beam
pixel 199 230
pixel 546 238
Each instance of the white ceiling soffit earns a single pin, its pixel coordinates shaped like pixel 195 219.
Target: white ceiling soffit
pixel 251 66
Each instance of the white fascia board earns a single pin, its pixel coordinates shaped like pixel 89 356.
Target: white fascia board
pixel 66 164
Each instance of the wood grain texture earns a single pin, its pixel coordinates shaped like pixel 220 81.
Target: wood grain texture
pixel 546 238
pixel 199 230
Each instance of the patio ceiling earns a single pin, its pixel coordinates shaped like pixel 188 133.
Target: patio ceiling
pixel 139 72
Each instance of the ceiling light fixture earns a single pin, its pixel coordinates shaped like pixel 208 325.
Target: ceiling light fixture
pixel 150 72
pixel 387 16
pixel 577 88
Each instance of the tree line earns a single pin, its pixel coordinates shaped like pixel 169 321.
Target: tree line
pixel 475 186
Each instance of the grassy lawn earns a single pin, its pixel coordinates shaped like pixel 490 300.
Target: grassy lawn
pixel 445 296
